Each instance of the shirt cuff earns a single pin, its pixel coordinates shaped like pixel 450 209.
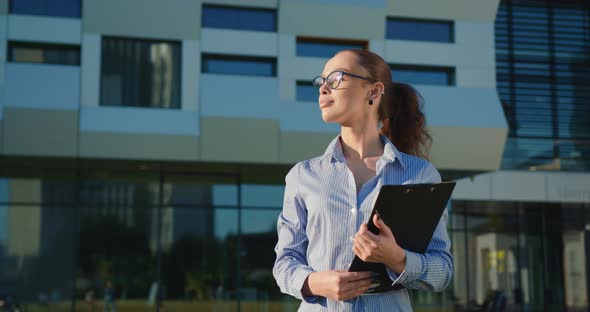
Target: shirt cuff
pixel 298 280
pixel 412 272
pixel 394 276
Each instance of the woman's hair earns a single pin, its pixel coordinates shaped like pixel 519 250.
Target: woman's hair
pixel 400 110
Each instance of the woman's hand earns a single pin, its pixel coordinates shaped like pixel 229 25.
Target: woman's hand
pixel 381 248
pixel 337 285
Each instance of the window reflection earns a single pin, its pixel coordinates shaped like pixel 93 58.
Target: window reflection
pixel 575 270
pixel 259 238
pixel 423 74
pixel 259 195
pixel 49 190
pixel 26 52
pixel 140 73
pixel 540 61
pixel 118 239
pixel 199 243
pixel 239 18
pixel 421 30
pixel 238 65
pixel 60 8
pixel 523 255
pixel 36 255
pixel 317 47
pixel 304 92
pixel 199 260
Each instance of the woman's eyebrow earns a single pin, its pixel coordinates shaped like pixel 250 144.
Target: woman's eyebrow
pixel 337 69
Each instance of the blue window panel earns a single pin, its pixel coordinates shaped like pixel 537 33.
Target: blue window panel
pixel 304 92
pixel 324 49
pixel 419 30
pixel 26 52
pixel 423 75
pixel 59 8
pixel 237 65
pixel 239 18
pixel 142 73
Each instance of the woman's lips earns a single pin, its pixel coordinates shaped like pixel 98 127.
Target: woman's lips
pixel 324 103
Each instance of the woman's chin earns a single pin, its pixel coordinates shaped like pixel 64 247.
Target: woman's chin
pixel 327 119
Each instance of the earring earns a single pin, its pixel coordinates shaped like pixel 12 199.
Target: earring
pixel 370 101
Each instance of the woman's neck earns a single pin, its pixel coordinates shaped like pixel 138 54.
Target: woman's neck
pixel 361 142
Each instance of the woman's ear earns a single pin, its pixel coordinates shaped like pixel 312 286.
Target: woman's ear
pixel 378 89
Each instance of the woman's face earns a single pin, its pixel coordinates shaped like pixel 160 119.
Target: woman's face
pixel 349 103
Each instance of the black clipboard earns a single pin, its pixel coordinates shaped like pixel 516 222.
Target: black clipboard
pixel 412 212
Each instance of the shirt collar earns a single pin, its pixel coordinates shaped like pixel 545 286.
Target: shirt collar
pixel 390 152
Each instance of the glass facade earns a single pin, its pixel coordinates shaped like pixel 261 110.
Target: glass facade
pixel 317 47
pixel 543 74
pixel 238 65
pixel 57 8
pixel 304 92
pixel 203 241
pixel 419 30
pixel 42 53
pixel 521 256
pixel 239 18
pixel 140 73
pixel 428 75
pixel 183 242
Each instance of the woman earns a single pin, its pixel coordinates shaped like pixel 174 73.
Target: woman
pixel 328 199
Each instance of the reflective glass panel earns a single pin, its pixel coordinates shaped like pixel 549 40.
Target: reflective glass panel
pixel 423 75
pixel 304 92
pixel 326 49
pixel 239 18
pixel 59 8
pixel 140 73
pixel 235 65
pixel 24 52
pixel 37 256
pixel 420 30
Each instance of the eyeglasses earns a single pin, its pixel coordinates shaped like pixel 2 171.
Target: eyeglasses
pixel 334 78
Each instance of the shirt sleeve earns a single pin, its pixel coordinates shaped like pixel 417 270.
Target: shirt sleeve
pixel 291 269
pixel 432 270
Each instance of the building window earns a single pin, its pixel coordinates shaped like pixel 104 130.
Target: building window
pixel 419 30
pixel 140 73
pixel 427 75
pixel 239 65
pixel 543 78
pixel 240 18
pixel 304 92
pixel 324 47
pixel 59 8
pixel 43 53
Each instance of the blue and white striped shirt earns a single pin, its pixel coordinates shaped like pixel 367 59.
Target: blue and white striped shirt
pixel 321 214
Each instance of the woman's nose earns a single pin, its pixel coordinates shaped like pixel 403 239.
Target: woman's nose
pixel 324 88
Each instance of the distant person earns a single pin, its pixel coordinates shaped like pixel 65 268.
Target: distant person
pixel 89 299
pixel 109 297
pixel 328 199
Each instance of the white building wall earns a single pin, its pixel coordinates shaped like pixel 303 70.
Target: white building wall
pixel 469 111
pixel 533 186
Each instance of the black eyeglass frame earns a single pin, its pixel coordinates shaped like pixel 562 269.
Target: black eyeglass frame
pixel 319 86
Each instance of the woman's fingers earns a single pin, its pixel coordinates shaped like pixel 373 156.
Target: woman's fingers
pixel 363 247
pixel 353 293
pixel 366 240
pixel 355 276
pixel 354 289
